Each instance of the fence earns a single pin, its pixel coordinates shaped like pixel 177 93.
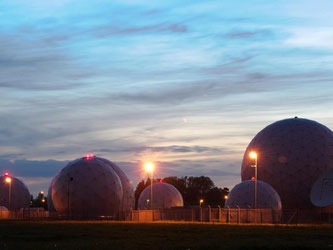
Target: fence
pixel 191 214
pixel 208 214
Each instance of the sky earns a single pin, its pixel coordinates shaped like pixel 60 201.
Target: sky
pixel 186 84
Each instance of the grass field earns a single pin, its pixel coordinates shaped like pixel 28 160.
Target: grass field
pixel 113 235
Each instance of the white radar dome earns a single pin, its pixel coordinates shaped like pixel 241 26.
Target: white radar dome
pixel 242 196
pixel 164 196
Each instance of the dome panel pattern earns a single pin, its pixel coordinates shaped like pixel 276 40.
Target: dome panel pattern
pixel 18 191
pixel 87 188
pixel 292 154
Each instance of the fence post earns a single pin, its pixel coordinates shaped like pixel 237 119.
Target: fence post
pixel 238 214
pixel 219 213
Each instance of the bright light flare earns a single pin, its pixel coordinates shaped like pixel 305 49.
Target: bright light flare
pixel 201 201
pixel 226 197
pixel 253 155
pixel 8 180
pixel 6 174
pixel 149 167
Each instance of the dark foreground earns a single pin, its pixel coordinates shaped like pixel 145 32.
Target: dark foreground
pixel 111 235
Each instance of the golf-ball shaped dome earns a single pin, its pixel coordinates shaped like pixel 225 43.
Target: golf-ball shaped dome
pixel 18 191
pixel 87 187
pixel 164 196
pixel 292 154
pixel 128 193
pixel 242 196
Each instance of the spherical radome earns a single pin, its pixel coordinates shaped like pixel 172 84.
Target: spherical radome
pixel 242 196
pixel 164 196
pixel 49 201
pixel 87 188
pixel 292 154
pixel 18 191
pixel 128 193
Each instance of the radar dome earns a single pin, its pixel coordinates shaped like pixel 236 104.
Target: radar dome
pixel 242 196
pixel 292 154
pixel 18 192
pixel 127 202
pixel 164 196
pixel 88 187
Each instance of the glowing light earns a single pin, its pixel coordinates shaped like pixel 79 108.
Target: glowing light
pixel 149 167
pixel 253 155
pixel 89 156
pixel 6 174
pixel 201 201
pixel 8 180
pixel 161 180
pixel 41 192
pixel 43 200
pixel 253 179
pixel 226 197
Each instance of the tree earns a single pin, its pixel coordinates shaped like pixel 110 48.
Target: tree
pixel 192 189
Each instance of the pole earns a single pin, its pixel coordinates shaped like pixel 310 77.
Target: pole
pixel 151 191
pixel 68 200
pixel 10 196
pixel 255 189
pixel 151 194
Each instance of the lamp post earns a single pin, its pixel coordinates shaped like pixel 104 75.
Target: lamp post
pixel 70 179
pixel 200 202
pixel 149 167
pixel 8 180
pixel 254 155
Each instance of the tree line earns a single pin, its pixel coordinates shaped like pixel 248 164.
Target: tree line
pixel 193 189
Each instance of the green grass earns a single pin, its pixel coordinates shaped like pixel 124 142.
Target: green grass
pixel 113 235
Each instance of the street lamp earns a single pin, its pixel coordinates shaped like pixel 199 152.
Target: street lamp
pixel 149 167
pixel 254 155
pixel 201 201
pixel 8 180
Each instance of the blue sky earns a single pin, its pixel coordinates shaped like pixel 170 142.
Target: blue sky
pixel 184 83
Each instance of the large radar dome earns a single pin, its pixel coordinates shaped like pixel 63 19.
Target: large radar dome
pixel 16 190
pixel 90 187
pixel 242 196
pixel 292 154
pixel 164 196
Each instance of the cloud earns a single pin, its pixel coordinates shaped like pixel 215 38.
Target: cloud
pixel 37 175
pixel 170 149
pixel 107 30
pixel 30 65
pixel 249 34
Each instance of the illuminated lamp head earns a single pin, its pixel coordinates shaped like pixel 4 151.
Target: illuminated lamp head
pixel 253 155
pixel 8 180
pixel 149 167
pixel 6 174
pixel 89 156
